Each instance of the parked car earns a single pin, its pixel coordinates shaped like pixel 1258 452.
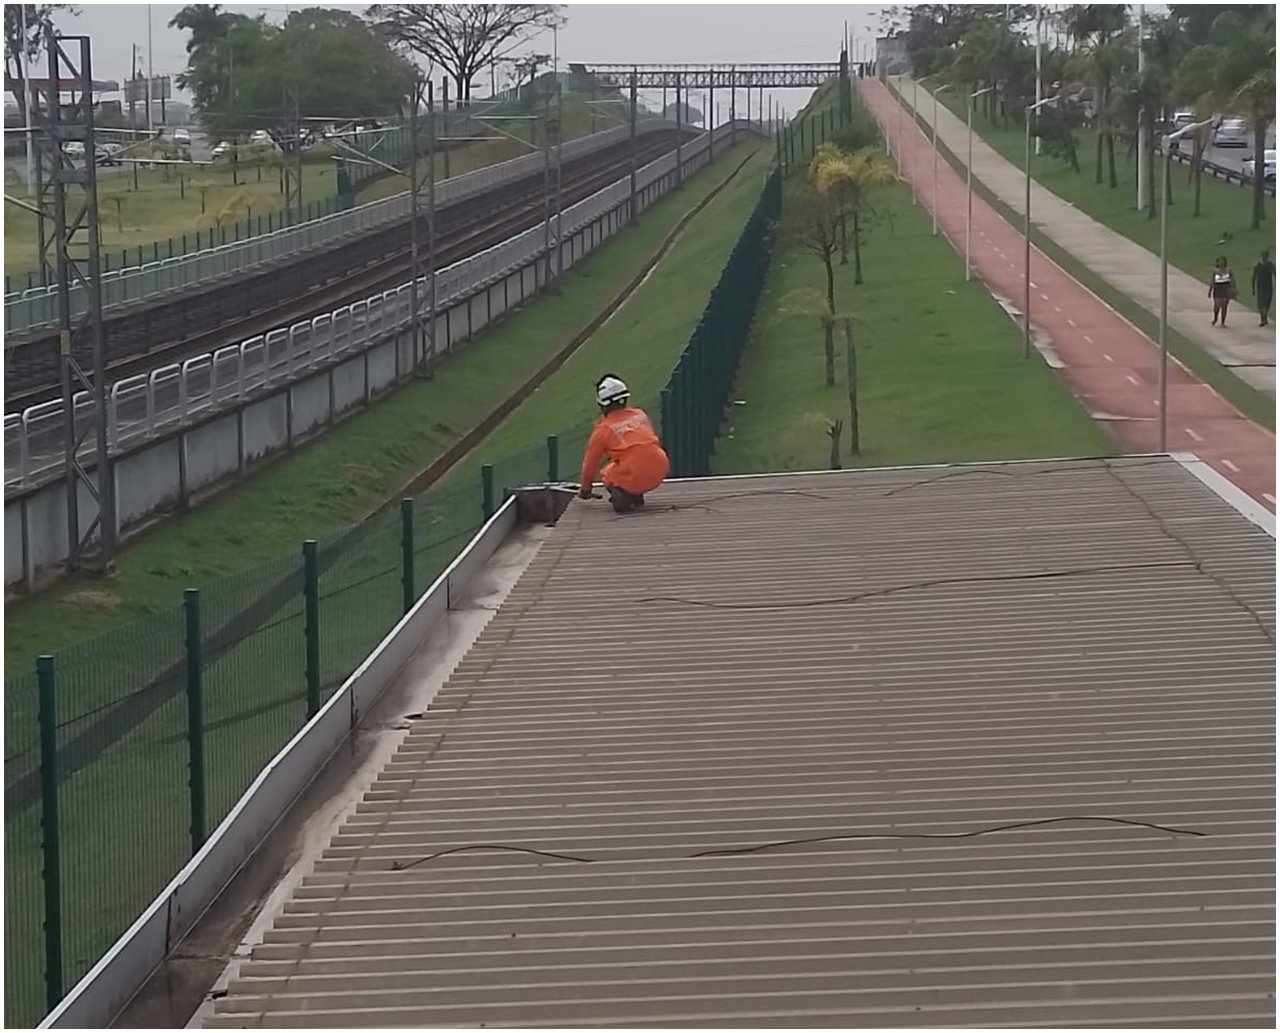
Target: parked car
pixel 1268 166
pixel 260 136
pixel 109 154
pixel 1231 132
pixel 222 148
pixel 182 137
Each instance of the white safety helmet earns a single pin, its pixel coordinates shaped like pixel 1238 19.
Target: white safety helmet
pixel 611 389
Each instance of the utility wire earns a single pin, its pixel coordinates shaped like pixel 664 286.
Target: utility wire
pixel 892 590
pixel 401 866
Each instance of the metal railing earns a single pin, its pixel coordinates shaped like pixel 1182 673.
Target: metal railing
pixel 150 405
pixel 37 307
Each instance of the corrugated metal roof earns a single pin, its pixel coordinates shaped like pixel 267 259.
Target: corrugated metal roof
pixel 893 655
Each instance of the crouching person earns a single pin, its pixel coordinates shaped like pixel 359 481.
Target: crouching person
pixel 625 436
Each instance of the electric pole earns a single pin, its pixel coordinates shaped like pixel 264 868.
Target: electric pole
pixel 633 210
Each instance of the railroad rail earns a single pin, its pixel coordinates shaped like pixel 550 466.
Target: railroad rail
pixel 236 312
pixel 152 404
pixel 36 307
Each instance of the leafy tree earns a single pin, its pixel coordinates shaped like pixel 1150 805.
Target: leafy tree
pixel 932 30
pixel 1196 20
pixel 812 220
pixel 36 16
pixel 240 67
pixel 1246 83
pixel 464 39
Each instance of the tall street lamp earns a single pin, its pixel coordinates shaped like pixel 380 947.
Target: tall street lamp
pixel 915 126
pixel 944 86
pixel 1167 147
pixel 901 107
pixel 1026 233
pixel 968 218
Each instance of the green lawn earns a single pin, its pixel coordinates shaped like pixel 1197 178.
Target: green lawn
pixel 942 373
pixel 1254 404
pixel 124 825
pixel 1225 208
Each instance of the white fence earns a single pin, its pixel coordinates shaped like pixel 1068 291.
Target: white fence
pixel 184 430
pixel 38 306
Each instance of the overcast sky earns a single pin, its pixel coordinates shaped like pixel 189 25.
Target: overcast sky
pixel 594 32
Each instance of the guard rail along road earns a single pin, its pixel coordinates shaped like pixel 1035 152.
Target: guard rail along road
pixel 184 428
pixel 37 307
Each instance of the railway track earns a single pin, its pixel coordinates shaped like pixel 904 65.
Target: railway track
pixel 312 285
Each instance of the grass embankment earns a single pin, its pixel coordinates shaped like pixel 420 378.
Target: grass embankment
pixel 940 364
pixel 338 478
pixel 1225 208
pixel 1254 404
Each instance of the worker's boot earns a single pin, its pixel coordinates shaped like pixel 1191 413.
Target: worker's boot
pixel 637 501
pixel 621 501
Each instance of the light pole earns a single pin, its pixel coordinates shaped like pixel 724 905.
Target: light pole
pixel 1039 47
pixel 1167 148
pixel 915 126
pixel 968 218
pixel 944 86
pixel 1026 233
pixel 1144 145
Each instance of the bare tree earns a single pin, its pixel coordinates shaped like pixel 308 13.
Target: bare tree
pixel 34 17
pixel 464 39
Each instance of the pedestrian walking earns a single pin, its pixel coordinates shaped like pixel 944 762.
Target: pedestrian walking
pixel 1222 288
pixel 1263 287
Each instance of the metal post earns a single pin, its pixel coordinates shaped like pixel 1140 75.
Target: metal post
pixel 431 221
pixel 82 274
pixel 414 337
pixel 733 106
pixel 1164 299
pixel 291 162
pixel 50 844
pixel 311 601
pixel 28 130
pixel 1026 246
pixel 934 205
pixel 546 191
pixel 559 182
pixel 1039 48
pixel 486 490
pixel 711 115
pixel 633 209
pixel 406 554
pixel 444 119
pixel 195 718
pixel 553 458
pixel 679 134
pixel 1144 145
pixel 968 176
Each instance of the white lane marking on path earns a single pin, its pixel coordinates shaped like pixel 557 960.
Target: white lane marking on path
pixel 1131 378
pixel 1070 321
pixel 1231 466
pixel 1269 497
pixel 1057 308
pixel 1192 434
pixel 1108 357
pixel 1089 340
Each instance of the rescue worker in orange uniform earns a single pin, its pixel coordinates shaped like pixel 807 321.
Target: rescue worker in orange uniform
pixel 625 436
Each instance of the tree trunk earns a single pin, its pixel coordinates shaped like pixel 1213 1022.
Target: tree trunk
pixel 829 351
pixel 1197 167
pixel 851 376
pixel 1151 170
pixel 857 251
pixel 1073 155
pixel 833 432
pixel 1097 166
pixel 1111 158
pixel 844 240
pixel 1259 171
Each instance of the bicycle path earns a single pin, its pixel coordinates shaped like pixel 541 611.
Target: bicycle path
pixel 1245 347
pixel 1110 365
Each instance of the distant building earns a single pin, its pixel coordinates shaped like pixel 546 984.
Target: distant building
pixel 891 55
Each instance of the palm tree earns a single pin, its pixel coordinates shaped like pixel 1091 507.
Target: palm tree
pixel 848 178
pixel 1096 29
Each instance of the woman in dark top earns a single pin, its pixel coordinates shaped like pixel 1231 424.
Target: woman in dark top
pixel 1221 289
pixel 1264 284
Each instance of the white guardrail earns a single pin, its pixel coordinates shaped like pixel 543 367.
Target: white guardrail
pixel 38 306
pixel 150 405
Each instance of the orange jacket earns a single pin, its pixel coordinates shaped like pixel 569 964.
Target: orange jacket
pixel 638 463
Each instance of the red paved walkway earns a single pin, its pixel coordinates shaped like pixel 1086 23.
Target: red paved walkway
pixel 1110 365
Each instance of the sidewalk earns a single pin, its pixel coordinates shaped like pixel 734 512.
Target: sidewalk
pixel 1250 350
pixel 1110 365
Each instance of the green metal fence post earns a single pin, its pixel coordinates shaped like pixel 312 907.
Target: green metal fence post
pixel 50 845
pixel 311 594
pixel 668 435
pixel 553 458
pixel 406 552
pixel 195 718
pixel 486 490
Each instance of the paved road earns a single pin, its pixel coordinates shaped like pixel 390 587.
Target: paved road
pixel 1108 363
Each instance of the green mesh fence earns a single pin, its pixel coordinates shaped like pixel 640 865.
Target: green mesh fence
pixel 162 725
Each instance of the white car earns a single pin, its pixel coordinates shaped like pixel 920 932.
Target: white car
pixel 223 147
pixel 1231 132
pixel 182 137
pixel 260 136
pixel 1268 166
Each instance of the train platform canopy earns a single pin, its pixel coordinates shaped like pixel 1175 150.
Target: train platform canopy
pixel 961 746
